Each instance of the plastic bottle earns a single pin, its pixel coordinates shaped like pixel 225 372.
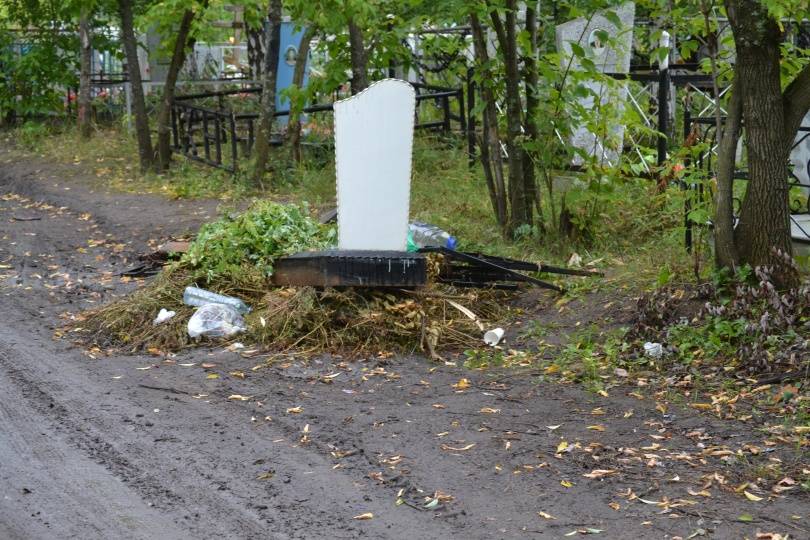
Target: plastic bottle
pixel 425 235
pixel 194 296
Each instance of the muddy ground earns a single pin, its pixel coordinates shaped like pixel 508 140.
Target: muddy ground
pixel 200 445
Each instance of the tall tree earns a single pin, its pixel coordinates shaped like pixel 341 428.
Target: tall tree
pixel 506 30
pixel 145 150
pixel 771 118
pixel 531 80
pixel 268 99
pixel 85 51
pixel 181 44
pixel 490 146
pixel 298 102
pixel 359 56
pixel 725 249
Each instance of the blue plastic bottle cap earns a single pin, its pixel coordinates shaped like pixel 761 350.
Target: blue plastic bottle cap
pixel 451 242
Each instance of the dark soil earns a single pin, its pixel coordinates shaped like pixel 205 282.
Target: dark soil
pixel 98 446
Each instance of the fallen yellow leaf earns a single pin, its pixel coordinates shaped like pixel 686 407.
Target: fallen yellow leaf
pixel 212 376
pixel 367 515
pixel 295 410
pixel 562 446
pixel 600 473
pixel 566 483
pixel 239 397
pixel 545 515
pixel 462 384
pixel 701 493
pixel 449 448
pixel 489 410
pixel 597 427
pixel 751 497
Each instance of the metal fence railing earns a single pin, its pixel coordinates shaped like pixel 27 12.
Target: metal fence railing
pixel 221 137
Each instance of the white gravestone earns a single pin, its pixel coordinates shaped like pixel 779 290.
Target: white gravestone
pixel 608 59
pixel 373 144
pixel 800 162
pixel 800 154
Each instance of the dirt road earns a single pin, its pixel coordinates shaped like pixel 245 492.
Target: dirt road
pixel 95 446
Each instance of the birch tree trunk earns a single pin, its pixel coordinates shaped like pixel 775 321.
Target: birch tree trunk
pixel 268 100
pixel 83 104
pixel 164 112
pixel 145 150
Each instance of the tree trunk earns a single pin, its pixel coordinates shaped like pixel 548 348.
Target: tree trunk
pixel 521 205
pixel 765 215
pixel 359 57
pixel 164 112
pixel 268 101
pixel 145 151
pixel 725 250
pixel 294 128
pixel 255 52
pixel 491 147
pixel 83 103
pixel 532 82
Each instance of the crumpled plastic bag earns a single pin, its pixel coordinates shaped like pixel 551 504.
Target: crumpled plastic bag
pixel 215 320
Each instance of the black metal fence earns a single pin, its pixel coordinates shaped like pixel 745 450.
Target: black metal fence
pixel 220 137
pixel 705 128
pixel 652 98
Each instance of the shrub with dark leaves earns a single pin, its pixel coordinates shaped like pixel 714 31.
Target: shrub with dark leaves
pixel 777 323
pixel 744 320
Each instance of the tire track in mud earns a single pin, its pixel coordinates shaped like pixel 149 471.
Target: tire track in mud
pixel 78 435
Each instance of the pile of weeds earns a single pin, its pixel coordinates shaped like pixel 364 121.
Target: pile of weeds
pixel 235 257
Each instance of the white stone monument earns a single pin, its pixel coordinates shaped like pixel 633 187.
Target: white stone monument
pixel 373 145
pixel 608 59
pixel 800 154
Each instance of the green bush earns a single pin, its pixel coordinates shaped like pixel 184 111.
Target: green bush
pixel 256 238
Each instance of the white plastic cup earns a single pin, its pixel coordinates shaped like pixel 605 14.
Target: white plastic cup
pixel 493 337
pixel 653 350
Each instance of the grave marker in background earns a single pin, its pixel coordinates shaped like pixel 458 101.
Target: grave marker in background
pixel 608 59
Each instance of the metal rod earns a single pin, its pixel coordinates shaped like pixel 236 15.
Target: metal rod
pixel 687 223
pixel 234 142
pixel 483 262
pixel 470 118
pixel 206 137
pixel 663 114
pixel 218 139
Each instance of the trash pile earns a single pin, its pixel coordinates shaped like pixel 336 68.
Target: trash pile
pixel 235 257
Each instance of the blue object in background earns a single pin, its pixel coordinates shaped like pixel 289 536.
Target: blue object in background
pixel 288 52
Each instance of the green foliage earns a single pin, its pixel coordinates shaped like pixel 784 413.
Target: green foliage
pixel 256 238
pixel 36 67
pixel 717 336
pixel 742 321
pixel 31 133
